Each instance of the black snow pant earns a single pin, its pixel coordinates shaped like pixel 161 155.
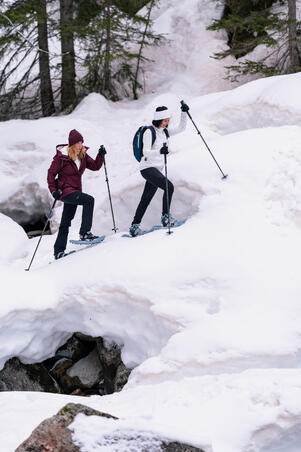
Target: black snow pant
pixel 70 205
pixel 154 180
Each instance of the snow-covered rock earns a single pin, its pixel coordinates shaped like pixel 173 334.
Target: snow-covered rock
pixel 14 243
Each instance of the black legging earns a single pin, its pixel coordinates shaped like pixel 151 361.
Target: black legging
pixel 154 180
pixel 70 205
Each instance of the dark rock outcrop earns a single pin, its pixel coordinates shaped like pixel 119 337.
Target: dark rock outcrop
pixel 115 374
pixel 16 376
pixel 179 447
pixel 82 366
pixel 76 348
pixel 121 377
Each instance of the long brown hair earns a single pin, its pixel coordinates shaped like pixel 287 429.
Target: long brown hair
pixel 72 152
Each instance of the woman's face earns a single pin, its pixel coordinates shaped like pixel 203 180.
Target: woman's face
pixel 165 122
pixel 78 146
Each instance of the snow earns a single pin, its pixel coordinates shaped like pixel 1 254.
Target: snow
pixel 188 49
pixel 209 317
pixel 15 244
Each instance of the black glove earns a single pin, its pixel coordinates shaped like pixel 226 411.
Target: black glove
pixel 164 149
pixel 57 194
pixel 184 107
pixel 102 151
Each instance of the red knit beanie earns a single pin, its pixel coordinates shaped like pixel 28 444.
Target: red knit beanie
pixel 75 137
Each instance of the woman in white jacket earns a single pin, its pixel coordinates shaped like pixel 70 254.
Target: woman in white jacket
pixel 152 163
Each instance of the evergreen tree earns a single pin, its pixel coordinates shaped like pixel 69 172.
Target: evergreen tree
pixel 143 41
pixel 108 35
pixel 114 40
pixel 23 28
pixel 250 24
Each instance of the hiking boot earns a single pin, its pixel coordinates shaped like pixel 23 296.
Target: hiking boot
pixel 88 237
pixel 59 255
pixel 135 230
pixel 165 218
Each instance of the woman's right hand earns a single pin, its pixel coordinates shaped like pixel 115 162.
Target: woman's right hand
pixel 57 194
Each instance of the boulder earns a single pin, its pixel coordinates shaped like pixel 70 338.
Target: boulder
pixel 75 348
pixel 16 376
pixel 87 372
pixel 121 377
pixel 115 374
pixel 60 367
pixel 109 354
pixel 53 435
pixel 179 447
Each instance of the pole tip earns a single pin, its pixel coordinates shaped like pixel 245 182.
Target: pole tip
pixel 225 176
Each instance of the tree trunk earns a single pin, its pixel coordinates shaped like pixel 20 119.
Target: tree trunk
pixel 292 37
pixel 46 93
pixel 107 60
pixel 68 94
pixel 135 83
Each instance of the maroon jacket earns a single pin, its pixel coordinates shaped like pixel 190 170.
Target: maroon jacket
pixel 69 176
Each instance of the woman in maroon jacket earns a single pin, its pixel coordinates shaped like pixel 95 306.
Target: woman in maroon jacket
pixel 64 182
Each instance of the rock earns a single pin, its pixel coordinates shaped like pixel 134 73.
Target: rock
pixel 115 374
pixel 53 435
pixel 85 337
pixel 121 378
pixel 58 371
pixel 79 392
pixel 75 348
pixel 109 354
pixel 16 376
pixel 78 367
pixel 87 372
pixel 60 367
pixel 179 447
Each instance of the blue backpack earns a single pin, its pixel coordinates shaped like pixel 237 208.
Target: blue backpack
pixel 138 140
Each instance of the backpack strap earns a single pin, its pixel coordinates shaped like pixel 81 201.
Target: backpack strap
pixel 152 129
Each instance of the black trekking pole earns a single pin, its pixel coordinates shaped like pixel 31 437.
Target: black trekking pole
pixel 167 194
pixel 47 221
pixel 102 152
pixel 199 133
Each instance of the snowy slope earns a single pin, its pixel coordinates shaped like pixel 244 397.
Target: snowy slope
pixel 208 317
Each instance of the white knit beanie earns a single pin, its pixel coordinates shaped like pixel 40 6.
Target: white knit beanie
pixel 163 114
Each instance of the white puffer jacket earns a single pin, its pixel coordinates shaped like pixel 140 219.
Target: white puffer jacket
pixel 151 153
